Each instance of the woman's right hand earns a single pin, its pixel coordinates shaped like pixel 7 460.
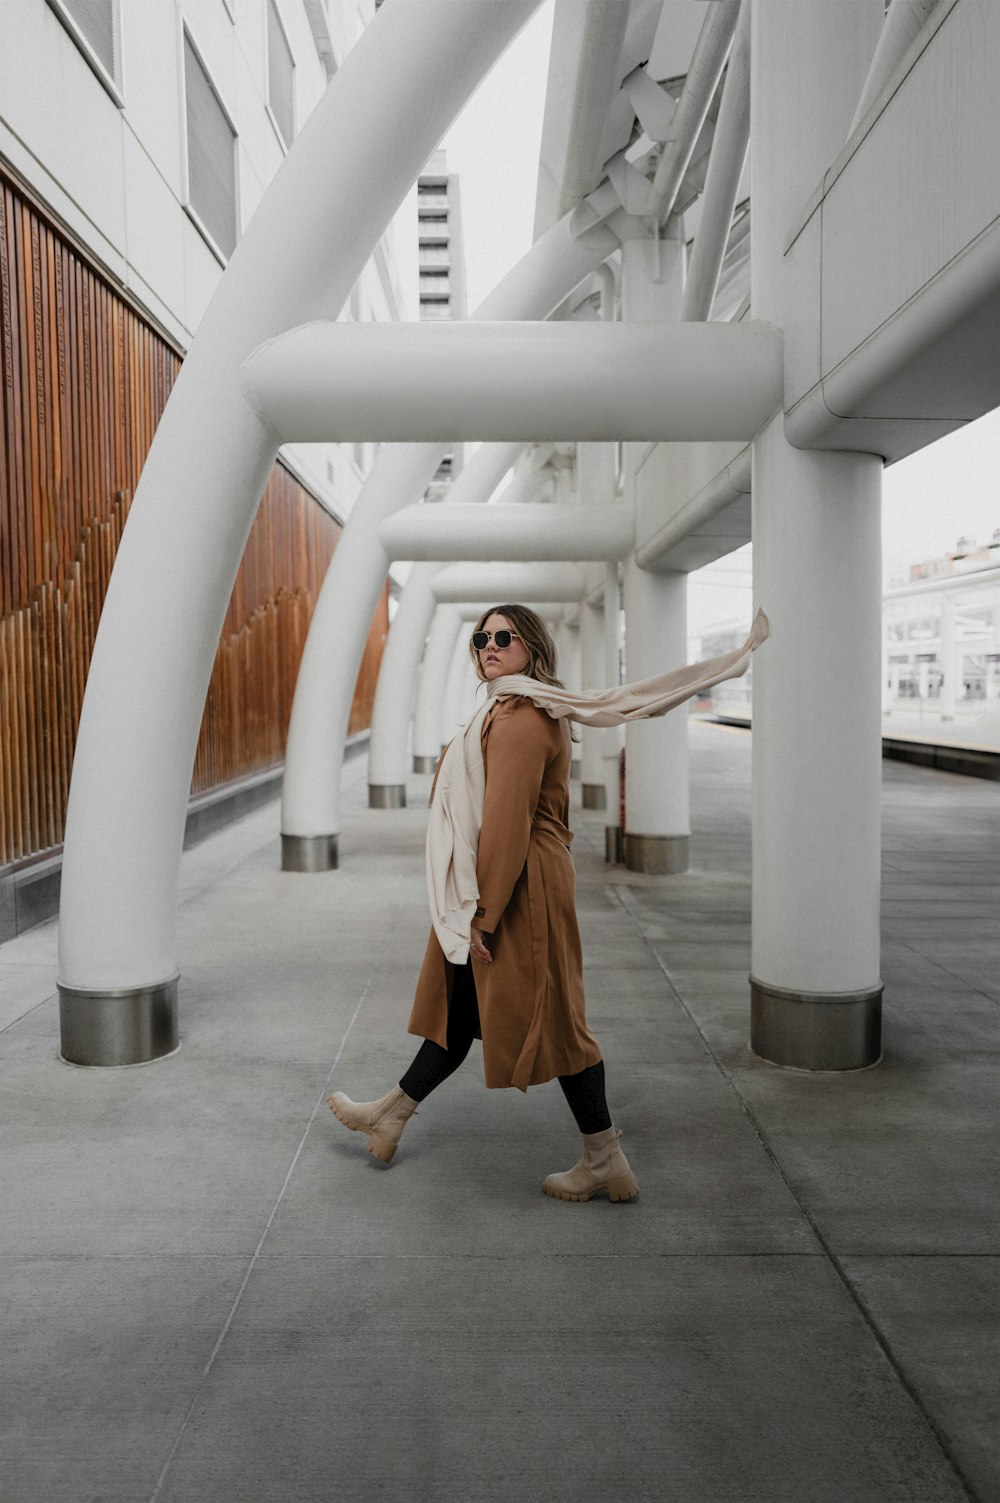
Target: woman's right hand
pixel 477 947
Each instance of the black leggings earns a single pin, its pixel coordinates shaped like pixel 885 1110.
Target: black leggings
pixel 584 1091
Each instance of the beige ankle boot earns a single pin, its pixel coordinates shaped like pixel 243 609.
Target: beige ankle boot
pixel 382 1120
pixel 603 1167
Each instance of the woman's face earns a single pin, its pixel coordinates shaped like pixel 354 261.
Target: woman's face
pixel 495 661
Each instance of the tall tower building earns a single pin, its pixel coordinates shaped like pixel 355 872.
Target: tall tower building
pixel 442 270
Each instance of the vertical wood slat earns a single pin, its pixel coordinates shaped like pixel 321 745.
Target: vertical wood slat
pixel 85 381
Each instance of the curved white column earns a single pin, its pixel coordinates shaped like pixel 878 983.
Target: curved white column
pixel 396 689
pixel 725 169
pixel 321 708
pixel 324 689
pixel 398 90
pixel 480 475
pixel 459 694
pixel 448 620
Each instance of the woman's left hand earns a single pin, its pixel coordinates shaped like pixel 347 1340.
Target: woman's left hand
pixel 478 948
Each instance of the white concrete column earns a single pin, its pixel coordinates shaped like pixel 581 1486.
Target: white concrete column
pixel 657 811
pixel 431 683
pixel 657 822
pixel 614 740
pixel 596 475
pixel 395 690
pixel 592 790
pixel 569 651
pixel 459 694
pixel 816 993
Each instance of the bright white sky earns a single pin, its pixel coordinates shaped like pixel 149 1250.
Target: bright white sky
pixel 947 491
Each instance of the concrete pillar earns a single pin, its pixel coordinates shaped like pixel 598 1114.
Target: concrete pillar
pixel 657 821
pixel 614 740
pixel 596 474
pixel 431 683
pixel 657 812
pixel 459 694
pixel 395 690
pixel 815 987
pixel 568 650
pixel 592 790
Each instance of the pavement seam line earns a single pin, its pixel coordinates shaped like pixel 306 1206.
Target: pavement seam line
pixel 943 1443
pixel 929 960
pixel 206 1370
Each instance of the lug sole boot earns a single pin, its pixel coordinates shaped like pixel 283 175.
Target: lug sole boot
pixel 603 1167
pixel 382 1121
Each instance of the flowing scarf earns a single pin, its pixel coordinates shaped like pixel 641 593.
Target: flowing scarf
pixel 456 814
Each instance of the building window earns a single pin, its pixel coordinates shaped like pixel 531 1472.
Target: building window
pixel 211 157
pixel 94 27
pixel 280 76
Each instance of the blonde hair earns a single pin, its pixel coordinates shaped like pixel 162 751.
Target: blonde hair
pixel 535 636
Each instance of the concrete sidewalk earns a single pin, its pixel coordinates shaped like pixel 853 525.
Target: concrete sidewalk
pixel 214 1295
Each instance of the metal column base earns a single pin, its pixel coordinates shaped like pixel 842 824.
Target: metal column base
pixel 816 1031
pixel 613 845
pixel 657 855
pixel 309 853
pixel 387 795
pixel 128 1027
pixel 424 764
pixel 593 795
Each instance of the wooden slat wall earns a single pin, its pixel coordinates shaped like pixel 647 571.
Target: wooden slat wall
pixel 85 381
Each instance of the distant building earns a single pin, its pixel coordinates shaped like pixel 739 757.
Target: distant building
pixel 941 641
pixel 442 271
pixel 940 651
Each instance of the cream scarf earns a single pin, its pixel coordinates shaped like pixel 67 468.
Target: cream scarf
pixel 457 810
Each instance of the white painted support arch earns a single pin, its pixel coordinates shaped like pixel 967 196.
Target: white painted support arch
pixel 448 621
pixel 395 95
pixel 314 754
pixel 397 681
pixel 517 380
pixel 397 684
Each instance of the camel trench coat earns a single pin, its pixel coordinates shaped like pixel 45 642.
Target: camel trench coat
pixel 531 1002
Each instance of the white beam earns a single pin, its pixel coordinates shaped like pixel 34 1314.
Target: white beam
pixel 498 381
pixel 500 582
pixel 549 532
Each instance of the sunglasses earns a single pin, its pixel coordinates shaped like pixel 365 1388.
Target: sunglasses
pixel 501 639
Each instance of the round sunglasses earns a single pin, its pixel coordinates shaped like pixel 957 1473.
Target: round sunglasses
pixel 501 639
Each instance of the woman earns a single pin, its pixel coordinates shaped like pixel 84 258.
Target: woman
pixel 521 991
